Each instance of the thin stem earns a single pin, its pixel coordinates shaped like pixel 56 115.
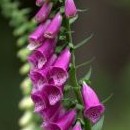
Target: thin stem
pixel 73 76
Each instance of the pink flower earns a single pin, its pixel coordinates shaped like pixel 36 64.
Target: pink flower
pixel 44 12
pixel 93 108
pixel 63 123
pixel 40 2
pixel 70 8
pixel 58 72
pixel 77 126
pixel 40 56
pixel 36 38
pixel 54 27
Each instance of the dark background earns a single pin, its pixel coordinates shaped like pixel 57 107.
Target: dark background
pixel 110 21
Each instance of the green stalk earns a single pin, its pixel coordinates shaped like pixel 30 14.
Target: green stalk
pixel 73 75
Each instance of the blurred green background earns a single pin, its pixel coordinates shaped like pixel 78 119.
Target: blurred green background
pixel 110 21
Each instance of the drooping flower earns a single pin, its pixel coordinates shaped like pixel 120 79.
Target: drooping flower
pixel 53 93
pixel 53 113
pixel 44 12
pixel 54 27
pixel 36 38
pixel 94 109
pixel 40 56
pixel 77 126
pixel 63 123
pixel 39 100
pixel 58 72
pixel 40 2
pixel 70 8
pixel 39 77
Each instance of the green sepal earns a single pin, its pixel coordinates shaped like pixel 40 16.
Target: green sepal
pixel 99 124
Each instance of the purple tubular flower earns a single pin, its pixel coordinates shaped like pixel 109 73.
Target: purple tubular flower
pixel 36 38
pixel 70 8
pixel 53 93
pixel 40 56
pixel 77 126
pixel 63 123
pixel 58 72
pixel 39 101
pixel 52 113
pixel 93 108
pixel 54 27
pixel 39 77
pixel 44 12
pixel 40 2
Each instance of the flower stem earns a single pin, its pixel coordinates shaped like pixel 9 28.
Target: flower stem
pixel 73 76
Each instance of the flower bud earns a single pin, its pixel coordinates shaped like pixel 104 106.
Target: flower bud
pixel 70 8
pixel 44 12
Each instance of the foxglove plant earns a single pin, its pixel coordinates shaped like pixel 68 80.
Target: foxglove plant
pixel 52 63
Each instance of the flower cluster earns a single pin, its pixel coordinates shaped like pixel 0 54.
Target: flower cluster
pixel 49 72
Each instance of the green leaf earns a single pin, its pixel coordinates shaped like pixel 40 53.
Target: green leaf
pixel 72 20
pixel 84 41
pixel 108 98
pixel 83 10
pixel 99 124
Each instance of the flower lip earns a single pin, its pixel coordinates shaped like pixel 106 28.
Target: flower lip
pixel 53 93
pixel 58 75
pixel 38 79
pixel 94 113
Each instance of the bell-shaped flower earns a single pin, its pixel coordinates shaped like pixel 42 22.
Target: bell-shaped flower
pixel 44 12
pixel 40 2
pixel 77 126
pixel 58 72
pixel 94 109
pixel 40 56
pixel 53 113
pixel 54 27
pixel 63 123
pixel 36 38
pixel 70 8
pixel 39 77
pixel 53 93
pixel 39 100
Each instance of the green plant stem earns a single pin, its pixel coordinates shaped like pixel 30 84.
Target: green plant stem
pixel 73 76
